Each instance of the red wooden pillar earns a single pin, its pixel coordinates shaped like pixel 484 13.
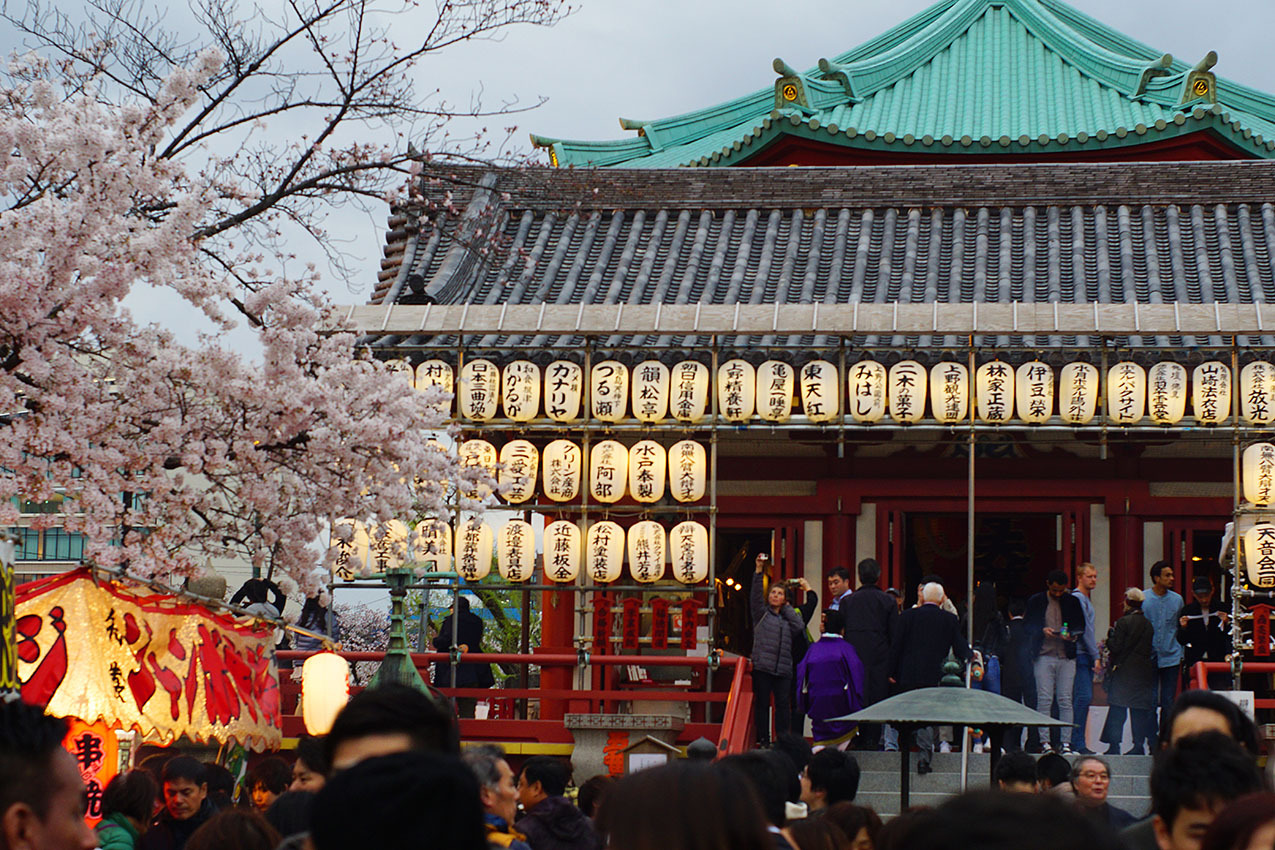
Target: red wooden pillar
pixel 1126 558
pixel 557 635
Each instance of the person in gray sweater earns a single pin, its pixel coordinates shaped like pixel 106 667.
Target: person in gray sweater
pixel 775 629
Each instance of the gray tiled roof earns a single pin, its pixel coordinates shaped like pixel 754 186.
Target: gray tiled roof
pixel 1151 233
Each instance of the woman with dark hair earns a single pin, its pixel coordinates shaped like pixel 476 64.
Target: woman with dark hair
pixel 1132 678
pixel 315 617
pixel 235 829
pixel 860 823
pixel 592 794
pixel 290 814
pixel 1246 824
pixel 817 834
pixel 128 803
pixel 267 781
pixel 683 806
pixel 310 770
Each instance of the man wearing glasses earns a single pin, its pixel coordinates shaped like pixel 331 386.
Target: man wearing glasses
pixel 1091 780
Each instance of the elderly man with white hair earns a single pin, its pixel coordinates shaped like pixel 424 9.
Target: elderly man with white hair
pixel 925 635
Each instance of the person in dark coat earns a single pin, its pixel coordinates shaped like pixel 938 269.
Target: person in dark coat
pixel 186 806
pixel 551 821
pixel 469 638
pixel 1204 632
pixel 925 635
pixel 1017 680
pixel 871 617
pixel 1091 780
pixel 1131 680
pixel 805 601
pixel 775 628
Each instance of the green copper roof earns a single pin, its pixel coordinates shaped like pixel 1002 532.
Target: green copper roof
pixel 964 76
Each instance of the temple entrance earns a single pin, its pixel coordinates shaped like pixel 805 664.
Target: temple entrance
pixel 736 553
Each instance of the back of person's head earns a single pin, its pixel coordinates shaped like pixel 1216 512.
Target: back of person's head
pixel 408 799
pixel 154 762
pixel 1052 769
pixel 852 818
pixel 835 773
pixel 834 622
pixel 869 572
pixel 1198 772
pixel 1241 727
pixel 992 820
pixel 591 794
pixel 1133 598
pixel 1016 768
pixel 312 751
pixel 290 812
pixel 818 834
pixel 1234 826
pixel 768 780
pixel 897 832
pixel 29 741
pixel 187 768
pixel 235 829
pixel 1057 577
pixel 1017 607
pixel 394 709
pixel 271 773
pixel 484 760
pixel 683 805
pixel 462 604
pixel 553 774
pixel 132 794
pixel 796 748
pixel 221 784
pixel 932 592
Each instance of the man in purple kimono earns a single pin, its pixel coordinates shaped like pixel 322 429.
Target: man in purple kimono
pixel 830 681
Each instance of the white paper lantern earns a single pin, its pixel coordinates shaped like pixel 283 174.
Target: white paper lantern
pixel 389 545
pixel 647 466
pixel 401 369
pixel 562 551
pixel 478 456
pixel 1078 393
pixel 473 549
pixel 608 471
pixel 650 391
pixel 1166 393
pixel 519 462
pixel 604 551
pixel 432 545
pixel 609 390
pixel 1257 393
pixel 516 551
pixel 950 392
pixel 688 551
pixel 1258 474
pixel 1211 393
pixel 350 546
pixel 646 551
pixel 687 471
pixel 820 391
pixel 1126 393
pixel 520 390
pixel 479 390
pixel 774 391
pixel 736 390
pixel 907 391
pixel 866 382
pixel 325 689
pixel 561 465
pixel 688 391
pixel 564 384
pixel 1034 392
pixel 994 389
pixel 437 375
pixel 1259 555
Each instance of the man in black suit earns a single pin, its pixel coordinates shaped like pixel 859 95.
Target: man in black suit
pixel 871 617
pixel 925 635
pixel 469 638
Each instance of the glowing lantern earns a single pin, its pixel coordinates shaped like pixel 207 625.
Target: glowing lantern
pixel 520 390
pixel 949 392
pixel 479 390
pixel 436 374
pixel 478 464
pixel 687 471
pixel 647 462
pixel 688 550
pixel 1034 392
pixel 1166 393
pixel 688 400
pixel 1259 555
pixel 867 384
pixel 432 545
pixel 325 689
pixel 907 386
pixel 96 750
pixel 820 391
pixel 650 391
pixel 1258 478
pixel 1078 393
pixel 774 391
pixel 1211 393
pixel 518 462
pixel 1257 393
pixel 994 388
pixel 604 551
pixel 389 545
pixel 400 368
pixel 646 551
pixel 608 471
pixel 516 551
pixel 564 383
pixel 473 549
pixel 562 551
pixel 736 390
pixel 609 390
pixel 350 547
pixel 561 464
pixel 1126 393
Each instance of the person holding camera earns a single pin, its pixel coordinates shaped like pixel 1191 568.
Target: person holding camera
pixel 775 629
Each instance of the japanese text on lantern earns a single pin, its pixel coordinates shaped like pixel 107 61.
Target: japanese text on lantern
pixel 609 388
pixel 819 388
pixel 1256 384
pixel 561 470
pixel 1036 381
pixel 513 554
pixel 563 383
pixel 907 391
pixel 562 551
pixel 774 391
pixel 867 390
pixel 690 390
pixel 631 624
pixel 481 379
pixel 1262 558
pixel 995 401
pixel 520 390
pixel 1212 392
pixel 1128 391
pixel 518 475
pixel 734 394
pixel 650 391
pixel 687 473
pixel 646 551
pixel 1082 387
pixel 607 474
pixel 646 471
pixel 949 391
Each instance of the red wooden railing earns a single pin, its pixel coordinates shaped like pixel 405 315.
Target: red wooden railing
pixel 1201 669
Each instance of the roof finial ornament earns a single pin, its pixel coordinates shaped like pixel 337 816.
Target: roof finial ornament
pixel 1158 68
pixel 836 73
pixel 1200 83
pixel 790 90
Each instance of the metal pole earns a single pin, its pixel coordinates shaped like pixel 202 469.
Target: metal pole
pixel 969 565
pixel 710 613
pixel 1237 634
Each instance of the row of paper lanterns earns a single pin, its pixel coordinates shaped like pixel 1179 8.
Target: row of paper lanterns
pixel 652 391
pixel 644 470
pixel 1257 481
pixel 599 553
